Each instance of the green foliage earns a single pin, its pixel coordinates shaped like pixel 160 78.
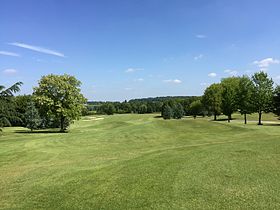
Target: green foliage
pixel 263 93
pixel 142 109
pixel 7 107
pixel 32 117
pixel 178 111
pixel 167 112
pixel 106 108
pixel 212 99
pixel 229 95
pixel 245 100
pixel 196 108
pixel 153 105
pixel 60 96
pixel 21 105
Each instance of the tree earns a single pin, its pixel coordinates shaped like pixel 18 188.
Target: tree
pixel 229 96
pixel 263 93
pixel 32 117
pixel 196 108
pixel 7 108
pixel 60 96
pixel 276 101
pixel 178 111
pixel 110 109
pixel 21 106
pixel 245 103
pixel 212 99
pixel 142 109
pixel 167 112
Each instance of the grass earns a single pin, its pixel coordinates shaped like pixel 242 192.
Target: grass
pixel 140 161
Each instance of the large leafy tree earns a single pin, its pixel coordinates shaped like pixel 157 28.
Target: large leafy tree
pixel 263 93
pixel 276 100
pixel 212 99
pixel 229 96
pixel 7 108
pixel 196 108
pixel 60 96
pixel 245 103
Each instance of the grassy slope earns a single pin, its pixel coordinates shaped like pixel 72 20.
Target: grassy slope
pixel 138 161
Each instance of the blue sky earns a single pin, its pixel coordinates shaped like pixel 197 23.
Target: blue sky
pixel 138 48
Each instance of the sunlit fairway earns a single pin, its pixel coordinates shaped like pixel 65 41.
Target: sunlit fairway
pixel 142 161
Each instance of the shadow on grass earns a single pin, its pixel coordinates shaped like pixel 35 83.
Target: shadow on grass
pixel 271 124
pixel 158 116
pixel 223 119
pixel 40 131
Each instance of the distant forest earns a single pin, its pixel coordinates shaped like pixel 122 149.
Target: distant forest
pixel 141 105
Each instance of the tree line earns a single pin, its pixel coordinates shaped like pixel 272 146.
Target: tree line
pixel 246 95
pixel 57 101
pixel 243 94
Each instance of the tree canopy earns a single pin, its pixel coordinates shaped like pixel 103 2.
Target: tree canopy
pixel 7 107
pixel 263 93
pixel 60 96
pixel 212 99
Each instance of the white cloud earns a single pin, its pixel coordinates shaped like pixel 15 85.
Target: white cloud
pixel 128 88
pixel 131 70
pixel 38 49
pixel 200 36
pixel 174 81
pixel 277 77
pixel 200 56
pixel 9 53
pixel 265 63
pixel 212 74
pixel 231 72
pixel 9 71
pixel 139 80
pixel 204 84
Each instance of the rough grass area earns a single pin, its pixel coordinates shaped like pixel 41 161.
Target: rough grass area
pixel 141 161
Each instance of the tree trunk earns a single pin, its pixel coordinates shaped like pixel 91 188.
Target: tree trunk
pixel 62 123
pixel 215 117
pixel 229 118
pixel 245 118
pixel 260 118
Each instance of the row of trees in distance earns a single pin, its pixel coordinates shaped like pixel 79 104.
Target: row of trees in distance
pixel 246 95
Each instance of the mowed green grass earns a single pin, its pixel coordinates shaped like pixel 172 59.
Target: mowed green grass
pixel 144 162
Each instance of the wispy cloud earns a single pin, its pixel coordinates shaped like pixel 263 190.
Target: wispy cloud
pixel 265 63
pixel 139 80
pixel 212 74
pixel 131 70
pixel 174 81
pixel 204 84
pixel 9 71
pixel 200 36
pixel 200 56
pixel 38 49
pixel 231 72
pixel 9 53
